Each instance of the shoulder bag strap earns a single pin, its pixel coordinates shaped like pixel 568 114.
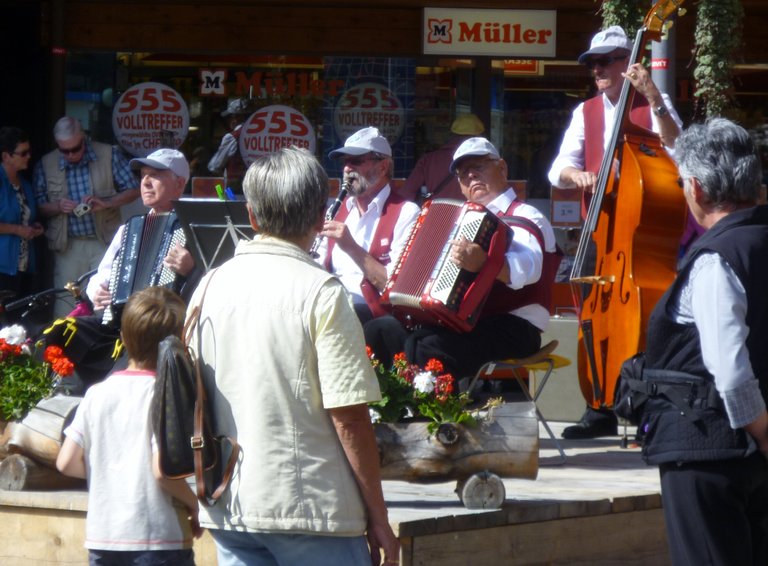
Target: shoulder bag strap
pixel 198 440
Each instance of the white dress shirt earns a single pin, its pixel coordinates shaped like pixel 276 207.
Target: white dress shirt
pixel 572 149
pixel 363 228
pixel 524 254
pixel 715 301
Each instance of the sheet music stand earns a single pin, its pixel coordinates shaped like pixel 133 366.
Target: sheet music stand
pixel 213 228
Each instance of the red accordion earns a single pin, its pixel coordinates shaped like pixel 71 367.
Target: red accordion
pixel 426 287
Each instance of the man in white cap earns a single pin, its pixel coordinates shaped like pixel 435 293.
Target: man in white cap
pixel 362 243
pixel 517 309
pixel 227 159
pixel 163 174
pixel 581 153
pixel 430 177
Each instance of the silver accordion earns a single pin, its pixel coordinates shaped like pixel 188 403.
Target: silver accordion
pixel 146 241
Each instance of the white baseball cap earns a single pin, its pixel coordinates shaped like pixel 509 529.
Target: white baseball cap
pixel 473 147
pixel 164 158
pixel 236 106
pixel 364 141
pixel 606 41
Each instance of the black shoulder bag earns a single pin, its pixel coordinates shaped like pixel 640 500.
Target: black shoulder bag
pixel 182 417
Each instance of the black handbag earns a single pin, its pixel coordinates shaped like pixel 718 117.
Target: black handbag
pixel 182 417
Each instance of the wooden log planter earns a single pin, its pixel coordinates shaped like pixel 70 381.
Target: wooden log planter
pixel 33 444
pixel 503 444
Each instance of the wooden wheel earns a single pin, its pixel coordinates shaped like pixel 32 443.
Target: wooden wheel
pixel 483 490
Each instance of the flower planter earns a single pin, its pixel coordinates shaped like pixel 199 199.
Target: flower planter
pixel 503 444
pixel 33 445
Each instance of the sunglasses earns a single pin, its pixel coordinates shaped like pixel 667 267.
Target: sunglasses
pixel 355 161
pixel 24 153
pixel 478 167
pixel 72 150
pixel 604 61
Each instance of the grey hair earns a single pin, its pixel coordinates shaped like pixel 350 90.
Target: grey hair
pixel 66 128
pixel 288 192
pixel 723 157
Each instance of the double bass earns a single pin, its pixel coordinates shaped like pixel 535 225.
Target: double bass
pixel 632 230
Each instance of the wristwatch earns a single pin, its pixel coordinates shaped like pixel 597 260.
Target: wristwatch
pixel 660 111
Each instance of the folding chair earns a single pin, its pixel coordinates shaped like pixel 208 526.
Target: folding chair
pixel 543 360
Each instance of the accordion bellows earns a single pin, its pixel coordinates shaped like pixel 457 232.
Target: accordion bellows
pixel 146 241
pixel 426 287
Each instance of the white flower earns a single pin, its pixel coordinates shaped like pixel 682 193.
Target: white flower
pixel 424 382
pixel 15 334
pixel 374 414
pixel 26 350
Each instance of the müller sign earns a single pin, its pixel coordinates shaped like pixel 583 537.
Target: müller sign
pixel 502 33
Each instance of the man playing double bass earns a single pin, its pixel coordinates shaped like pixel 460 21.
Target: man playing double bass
pixel 581 153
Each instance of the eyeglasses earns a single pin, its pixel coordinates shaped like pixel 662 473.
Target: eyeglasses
pixel 24 153
pixel 359 160
pixel 604 61
pixel 478 167
pixel 72 150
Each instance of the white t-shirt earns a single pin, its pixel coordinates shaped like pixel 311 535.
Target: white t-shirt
pixel 127 508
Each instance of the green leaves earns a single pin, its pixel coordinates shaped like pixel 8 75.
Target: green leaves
pixel 23 384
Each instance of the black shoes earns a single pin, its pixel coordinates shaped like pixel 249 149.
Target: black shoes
pixel 593 424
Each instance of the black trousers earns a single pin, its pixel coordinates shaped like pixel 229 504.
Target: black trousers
pixel 716 513
pixel 462 354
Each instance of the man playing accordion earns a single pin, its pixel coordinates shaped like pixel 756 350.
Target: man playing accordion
pixel 164 174
pixel 517 310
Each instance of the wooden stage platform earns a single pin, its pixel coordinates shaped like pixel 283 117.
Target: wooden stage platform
pixel 602 506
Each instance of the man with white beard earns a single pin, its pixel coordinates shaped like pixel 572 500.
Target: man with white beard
pixel 362 242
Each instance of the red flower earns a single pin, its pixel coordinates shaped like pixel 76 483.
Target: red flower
pixel 52 353
pixel 400 357
pixel 434 366
pixel 7 349
pixel 443 387
pixel 63 366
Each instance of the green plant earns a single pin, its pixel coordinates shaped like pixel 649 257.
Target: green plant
pixel 25 377
pixel 717 36
pixel 409 391
pixel 628 14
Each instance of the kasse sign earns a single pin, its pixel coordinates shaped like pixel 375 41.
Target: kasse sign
pixel 500 33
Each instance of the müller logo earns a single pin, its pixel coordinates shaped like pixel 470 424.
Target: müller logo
pixel 486 32
pixel 440 31
pixel 509 33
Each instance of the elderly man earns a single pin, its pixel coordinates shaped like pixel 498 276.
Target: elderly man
pixel 80 187
pixel 581 153
pixel 706 424
pixel 363 242
pixel 285 358
pixel 517 310
pixel 164 174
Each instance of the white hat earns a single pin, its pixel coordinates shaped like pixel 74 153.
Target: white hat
pixel 606 41
pixel 472 147
pixel 163 159
pixel 236 106
pixel 364 141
